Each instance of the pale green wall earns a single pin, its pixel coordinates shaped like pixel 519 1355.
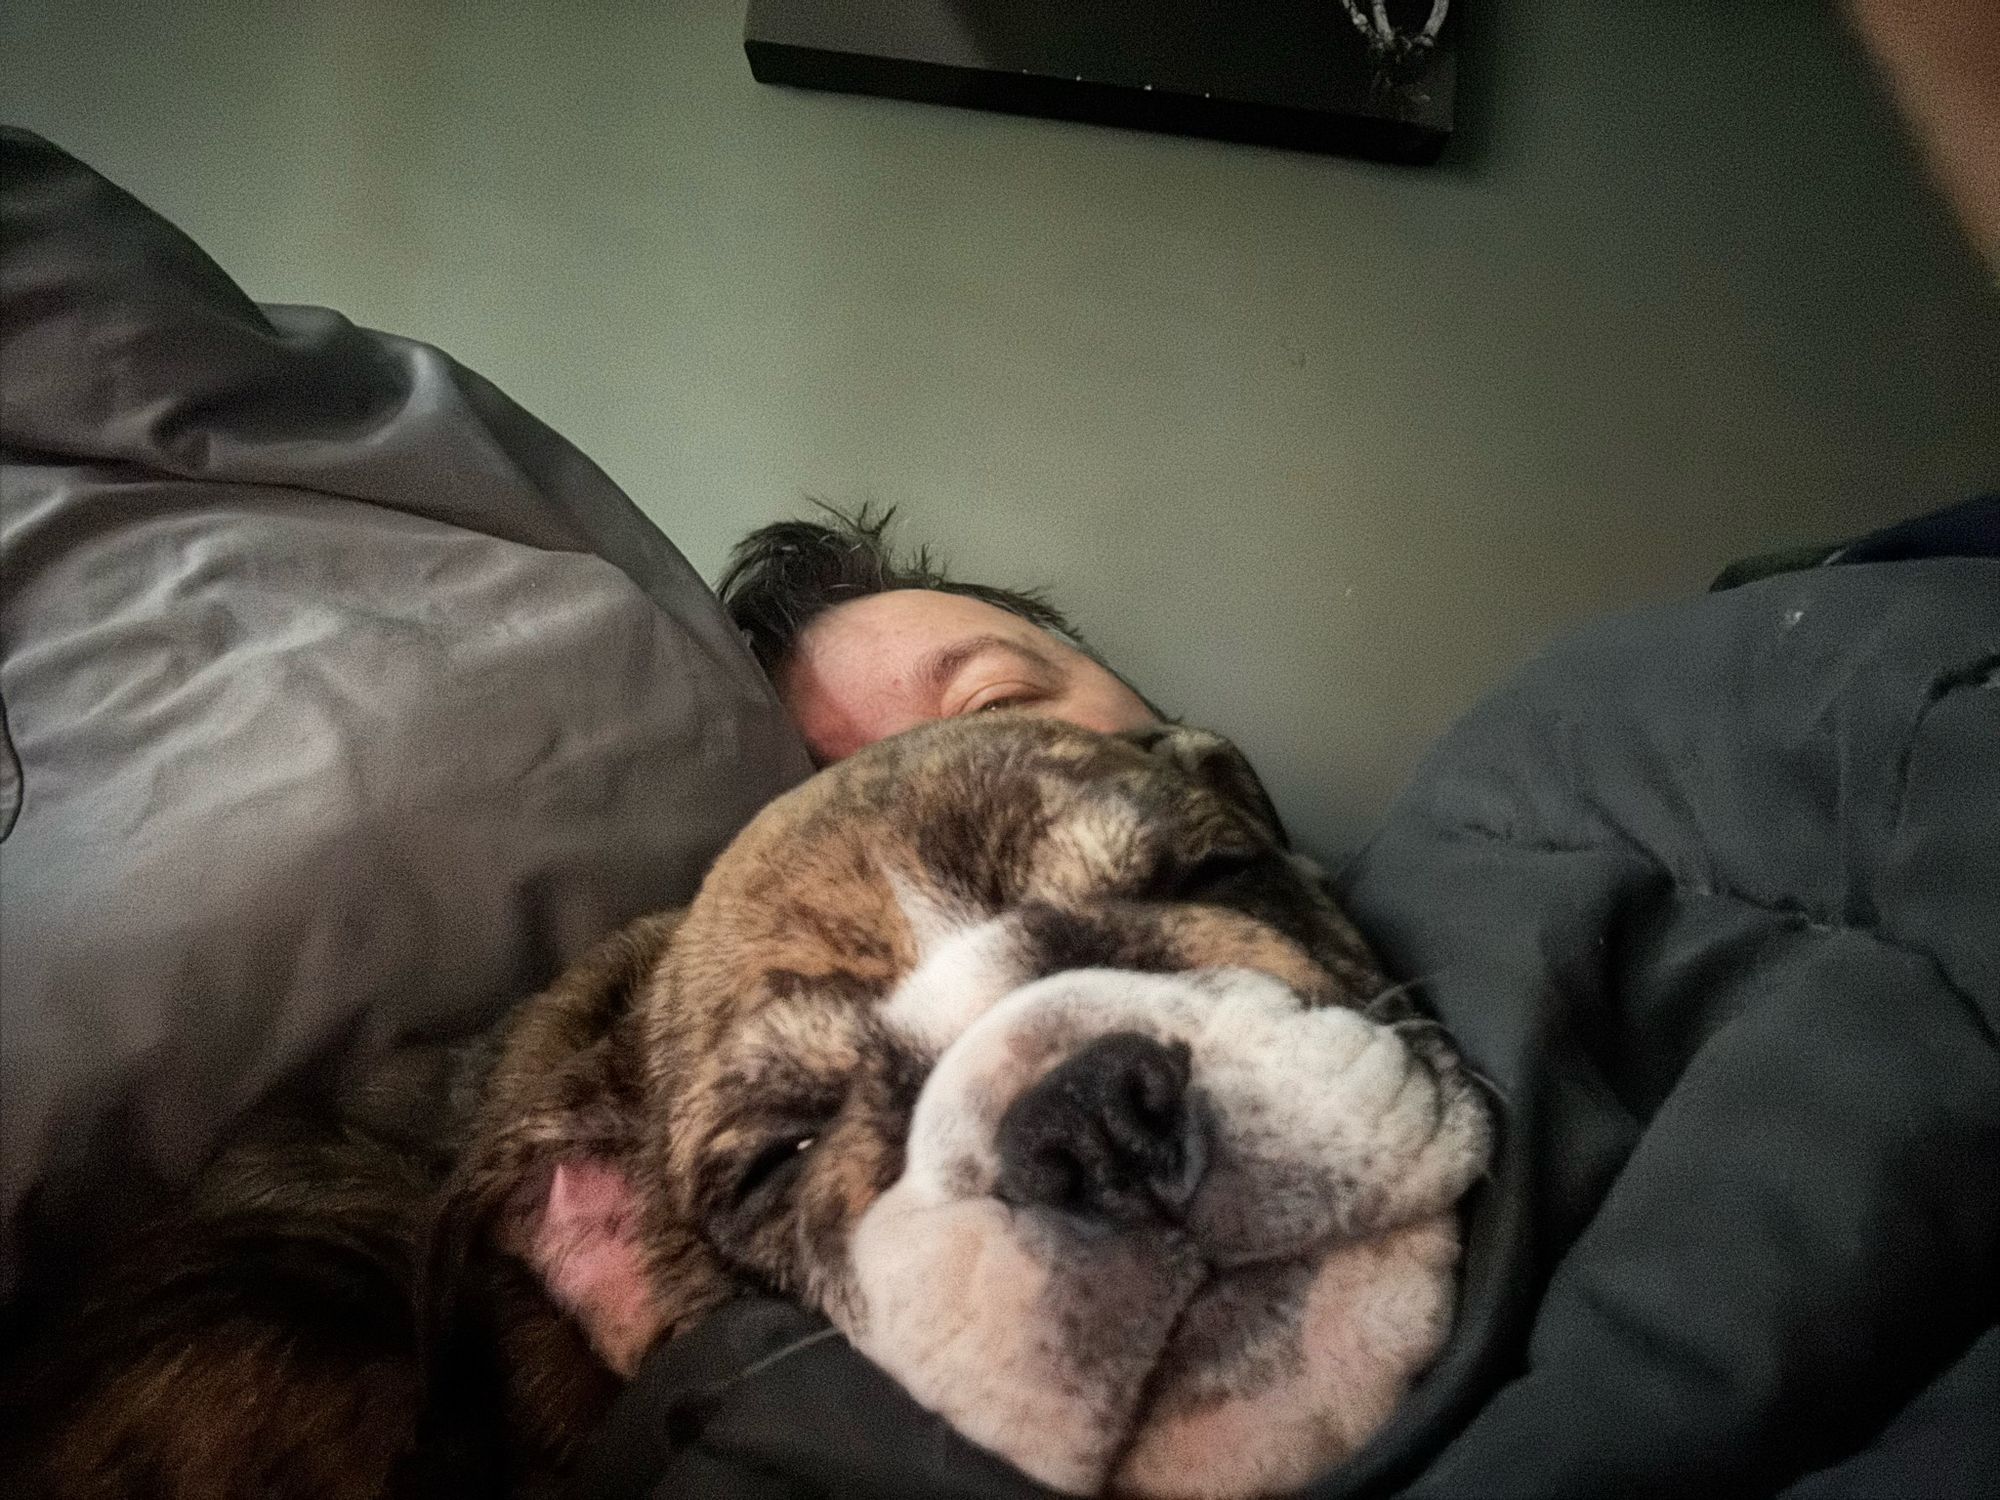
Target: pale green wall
pixel 1317 450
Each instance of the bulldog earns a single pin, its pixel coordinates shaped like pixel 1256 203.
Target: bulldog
pixel 1029 1056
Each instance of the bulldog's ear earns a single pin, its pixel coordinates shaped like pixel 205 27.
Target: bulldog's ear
pixel 1219 766
pixel 545 1185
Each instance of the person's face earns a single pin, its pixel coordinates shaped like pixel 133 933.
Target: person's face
pixel 873 667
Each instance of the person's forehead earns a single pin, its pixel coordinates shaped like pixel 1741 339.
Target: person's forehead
pixel 867 668
pixel 907 625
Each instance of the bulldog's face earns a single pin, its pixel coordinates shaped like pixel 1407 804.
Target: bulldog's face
pixel 1032 1058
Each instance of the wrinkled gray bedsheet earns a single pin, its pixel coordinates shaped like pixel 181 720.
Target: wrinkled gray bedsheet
pixel 343 699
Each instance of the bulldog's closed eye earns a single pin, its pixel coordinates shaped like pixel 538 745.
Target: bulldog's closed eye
pixel 774 1167
pixel 1209 873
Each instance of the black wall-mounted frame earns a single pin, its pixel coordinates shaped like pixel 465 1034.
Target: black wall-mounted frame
pixel 1362 79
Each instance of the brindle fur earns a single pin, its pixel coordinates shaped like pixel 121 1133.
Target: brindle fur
pixel 344 1312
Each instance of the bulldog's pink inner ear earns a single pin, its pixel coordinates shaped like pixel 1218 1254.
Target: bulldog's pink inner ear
pixel 585 1247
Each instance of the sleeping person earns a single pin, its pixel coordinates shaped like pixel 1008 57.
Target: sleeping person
pixel 862 644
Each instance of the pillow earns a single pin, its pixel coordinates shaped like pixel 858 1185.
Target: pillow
pixel 343 702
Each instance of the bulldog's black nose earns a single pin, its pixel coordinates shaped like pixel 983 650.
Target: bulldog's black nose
pixel 1108 1135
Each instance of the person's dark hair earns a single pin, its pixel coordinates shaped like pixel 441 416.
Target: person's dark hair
pixel 783 576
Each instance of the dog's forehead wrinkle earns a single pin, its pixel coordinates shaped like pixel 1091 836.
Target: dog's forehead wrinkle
pixel 842 926
pixel 1060 937
pixel 972 833
pixel 833 987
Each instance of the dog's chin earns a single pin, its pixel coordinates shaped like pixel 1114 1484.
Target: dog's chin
pixel 1127 1366
pixel 1276 1372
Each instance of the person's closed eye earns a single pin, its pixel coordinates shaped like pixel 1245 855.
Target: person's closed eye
pixel 1004 698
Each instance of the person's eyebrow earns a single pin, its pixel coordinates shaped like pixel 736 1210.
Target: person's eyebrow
pixel 947 662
